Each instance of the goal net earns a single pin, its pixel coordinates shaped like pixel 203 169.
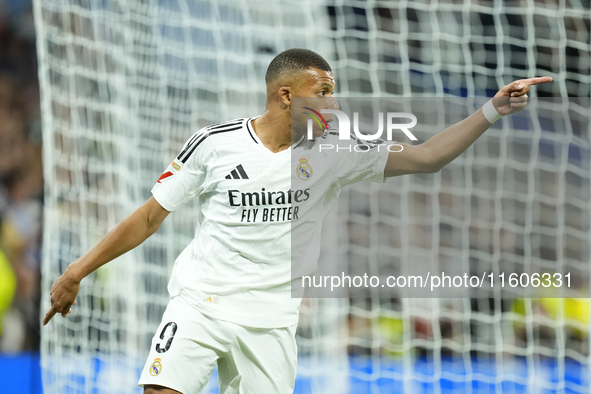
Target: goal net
pixel 124 83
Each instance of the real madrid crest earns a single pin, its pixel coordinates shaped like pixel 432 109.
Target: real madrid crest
pixel 304 170
pixel 156 367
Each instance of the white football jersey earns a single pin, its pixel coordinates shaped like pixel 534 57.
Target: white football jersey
pixel 259 218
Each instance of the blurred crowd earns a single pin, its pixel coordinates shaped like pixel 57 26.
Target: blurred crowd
pixel 21 180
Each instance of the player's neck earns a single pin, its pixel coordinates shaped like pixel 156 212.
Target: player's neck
pixel 273 130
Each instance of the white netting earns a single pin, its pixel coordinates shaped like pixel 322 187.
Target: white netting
pixel 124 83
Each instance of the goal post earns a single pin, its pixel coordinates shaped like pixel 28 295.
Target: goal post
pixel 124 83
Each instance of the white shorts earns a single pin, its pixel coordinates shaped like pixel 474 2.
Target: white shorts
pixel 188 345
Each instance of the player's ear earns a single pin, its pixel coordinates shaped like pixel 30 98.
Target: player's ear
pixel 285 94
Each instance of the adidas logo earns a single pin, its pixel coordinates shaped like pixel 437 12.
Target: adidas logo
pixel 212 299
pixel 237 173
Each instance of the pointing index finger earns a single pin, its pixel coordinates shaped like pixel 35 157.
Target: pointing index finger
pixel 535 81
pixel 51 313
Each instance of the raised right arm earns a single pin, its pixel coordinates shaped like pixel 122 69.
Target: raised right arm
pixel 131 232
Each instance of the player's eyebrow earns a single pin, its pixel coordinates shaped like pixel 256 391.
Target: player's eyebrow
pixel 326 85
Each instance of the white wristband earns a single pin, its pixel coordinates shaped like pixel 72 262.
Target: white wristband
pixel 490 112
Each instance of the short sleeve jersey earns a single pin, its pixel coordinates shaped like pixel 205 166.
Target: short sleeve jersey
pixel 239 266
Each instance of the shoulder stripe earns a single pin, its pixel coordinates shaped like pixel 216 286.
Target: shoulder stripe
pixel 201 133
pixel 226 123
pixel 222 125
pixel 302 139
pixel 203 130
pixel 250 131
pixel 208 134
pixel 191 140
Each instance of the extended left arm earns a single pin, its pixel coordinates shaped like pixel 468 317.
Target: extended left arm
pixel 439 150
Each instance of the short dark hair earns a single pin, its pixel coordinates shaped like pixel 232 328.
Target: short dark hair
pixel 295 60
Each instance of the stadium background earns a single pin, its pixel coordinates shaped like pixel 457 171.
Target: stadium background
pixel 124 83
